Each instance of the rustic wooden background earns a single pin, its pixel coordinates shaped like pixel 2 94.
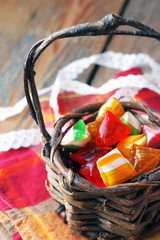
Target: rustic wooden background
pixel 23 22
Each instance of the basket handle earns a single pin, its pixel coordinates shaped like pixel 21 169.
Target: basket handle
pixel 106 26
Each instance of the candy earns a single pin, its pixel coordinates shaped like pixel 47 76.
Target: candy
pixel 125 144
pixel 90 172
pixel 129 119
pixel 115 168
pixel 89 152
pixel 112 105
pixel 77 136
pixel 111 130
pixel 92 128
pixel 153 136
pixel 144 159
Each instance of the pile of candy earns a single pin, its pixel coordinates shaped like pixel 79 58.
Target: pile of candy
pixel 113 148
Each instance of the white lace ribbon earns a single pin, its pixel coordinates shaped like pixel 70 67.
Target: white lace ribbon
pixel 20 138
pixel 6 112
pixel 64 82
pixel 110 59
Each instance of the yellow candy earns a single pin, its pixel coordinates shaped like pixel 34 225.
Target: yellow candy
pixel 124 146
pixel 114 168
pixel 112 105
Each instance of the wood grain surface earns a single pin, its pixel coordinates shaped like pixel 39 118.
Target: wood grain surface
pixel 147 12
pixel 22 23
pixel 25 22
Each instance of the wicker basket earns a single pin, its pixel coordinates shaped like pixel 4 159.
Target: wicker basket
pixel 130 210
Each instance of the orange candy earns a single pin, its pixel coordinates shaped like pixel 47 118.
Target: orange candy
pixel 114 168
pixel 112 105
pixel 125 144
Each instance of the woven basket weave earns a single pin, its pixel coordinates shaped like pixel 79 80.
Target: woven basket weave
pixel 130 210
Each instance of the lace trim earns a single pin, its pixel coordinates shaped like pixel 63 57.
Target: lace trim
pixel 64 81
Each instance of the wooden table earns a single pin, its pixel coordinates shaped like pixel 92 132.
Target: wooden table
pixel 23 22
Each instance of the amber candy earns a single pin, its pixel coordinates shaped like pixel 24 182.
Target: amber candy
pixel 125 144
pixel 92 129
pixel 144 159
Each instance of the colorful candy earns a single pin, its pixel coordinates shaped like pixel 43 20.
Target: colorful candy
pixel 144 159
pixel 93 141
pixel 125 144
pixel 115 168
pixel 111 130
pixel 112 105
pixel 153 136
pixel 76 137
pixel 92 128
pixel 90 172
pixel 129 119
pixel 89 152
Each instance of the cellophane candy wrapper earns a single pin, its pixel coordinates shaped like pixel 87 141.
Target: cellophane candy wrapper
pixel 67 93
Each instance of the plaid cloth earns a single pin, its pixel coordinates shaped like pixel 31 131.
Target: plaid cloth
pixel 26 209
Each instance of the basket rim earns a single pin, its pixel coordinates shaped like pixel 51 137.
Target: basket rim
pixel 106 26
pixel 150 178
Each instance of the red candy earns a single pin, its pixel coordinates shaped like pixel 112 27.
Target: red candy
pixel 89 152
pixel 111 130
pixel 91 173
pixel 87 157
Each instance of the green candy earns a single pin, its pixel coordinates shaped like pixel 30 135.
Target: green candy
pixel 79 130
pixel 129 119
pixel 77 136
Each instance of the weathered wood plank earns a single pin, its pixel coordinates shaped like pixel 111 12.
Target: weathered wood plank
pixel 24 22
pixel 147 12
